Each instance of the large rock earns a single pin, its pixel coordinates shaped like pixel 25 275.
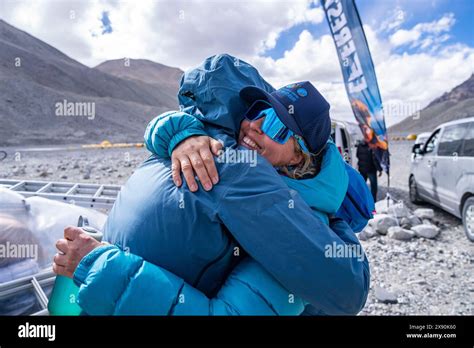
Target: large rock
pixel 414 220
pixel 367 233
pixel 381 207
pixel 410 221
pixel 397 209
pixel 405 223
pixel 424 213
pixel 385 296
pixel 382 222
pixel 399 233
pixel 426 231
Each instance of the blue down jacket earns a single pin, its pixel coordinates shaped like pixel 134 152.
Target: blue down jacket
pixel 200 237
pixel 240 248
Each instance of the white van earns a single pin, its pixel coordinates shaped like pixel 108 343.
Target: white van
pixel 346 135
pixel 442 171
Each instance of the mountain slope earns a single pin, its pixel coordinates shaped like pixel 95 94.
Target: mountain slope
pixel 157 76
pixel 44 77
pixel 142 70
pixel 453 105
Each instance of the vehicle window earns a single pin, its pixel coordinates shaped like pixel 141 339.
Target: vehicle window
pixel 333 134
pixel 468 148
pixel 421 140
pixel 431 144
pixel 344 139
pixel 451 140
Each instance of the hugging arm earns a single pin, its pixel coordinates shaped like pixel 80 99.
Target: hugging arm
pixel 137 287
pixel 167 130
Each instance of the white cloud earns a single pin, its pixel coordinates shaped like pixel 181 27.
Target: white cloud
pixel 27 15
pixel 394 20
pixel 402 37
pixel 424 34
pixel 408 82
pixel 177 33
pixel 182 33
pixel 443 24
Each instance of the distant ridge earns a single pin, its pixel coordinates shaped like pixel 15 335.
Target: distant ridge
pixel 36 76
pixel 453 105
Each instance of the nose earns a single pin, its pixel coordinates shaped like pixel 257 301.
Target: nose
pixel 256 126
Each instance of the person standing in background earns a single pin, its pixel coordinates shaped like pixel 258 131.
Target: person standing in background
pixel 368 166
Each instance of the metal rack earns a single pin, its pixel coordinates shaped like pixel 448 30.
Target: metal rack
pixel 37 282
pixel 86 195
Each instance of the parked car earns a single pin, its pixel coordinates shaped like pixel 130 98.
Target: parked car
pixel 346 135
pixel 442 172
pixel 420 139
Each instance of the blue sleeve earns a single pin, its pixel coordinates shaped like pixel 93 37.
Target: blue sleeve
pixel 113 282
pixel 167 130
pixel 292 244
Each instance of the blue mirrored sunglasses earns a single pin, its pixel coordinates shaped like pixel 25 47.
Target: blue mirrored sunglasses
pixel 276 130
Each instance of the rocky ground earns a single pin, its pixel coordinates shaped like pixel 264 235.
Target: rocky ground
pixel 417 275
pixel 420 274
pixel 111 166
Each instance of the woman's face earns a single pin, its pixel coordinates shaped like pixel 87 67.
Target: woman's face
pixel 252 137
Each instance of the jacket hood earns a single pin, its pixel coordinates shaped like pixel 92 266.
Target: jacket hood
pixel 211 91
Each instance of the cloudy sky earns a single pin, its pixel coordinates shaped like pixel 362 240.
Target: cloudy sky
pixel 421 48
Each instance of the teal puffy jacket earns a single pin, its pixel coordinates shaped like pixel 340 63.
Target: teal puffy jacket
pixel 114 282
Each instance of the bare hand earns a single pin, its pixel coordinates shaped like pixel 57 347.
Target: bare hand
pixel 194 154
pixel 74 247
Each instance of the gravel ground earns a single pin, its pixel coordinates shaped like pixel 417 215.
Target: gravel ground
pixel 424 276
pixel 428 277
pixel 109 166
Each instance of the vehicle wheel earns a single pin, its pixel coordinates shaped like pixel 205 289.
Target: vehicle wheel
pixel 414 198
pixel 468 218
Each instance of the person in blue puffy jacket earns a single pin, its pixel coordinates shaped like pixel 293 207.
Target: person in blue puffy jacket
pixel 235 249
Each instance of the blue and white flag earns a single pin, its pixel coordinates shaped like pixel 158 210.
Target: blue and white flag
pixel 359 74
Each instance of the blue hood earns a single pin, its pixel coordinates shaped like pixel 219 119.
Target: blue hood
pixel 211 91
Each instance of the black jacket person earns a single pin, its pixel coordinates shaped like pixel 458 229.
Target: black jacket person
pixel 368 166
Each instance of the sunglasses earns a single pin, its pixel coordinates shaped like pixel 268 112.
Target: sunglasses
pixel 272 125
